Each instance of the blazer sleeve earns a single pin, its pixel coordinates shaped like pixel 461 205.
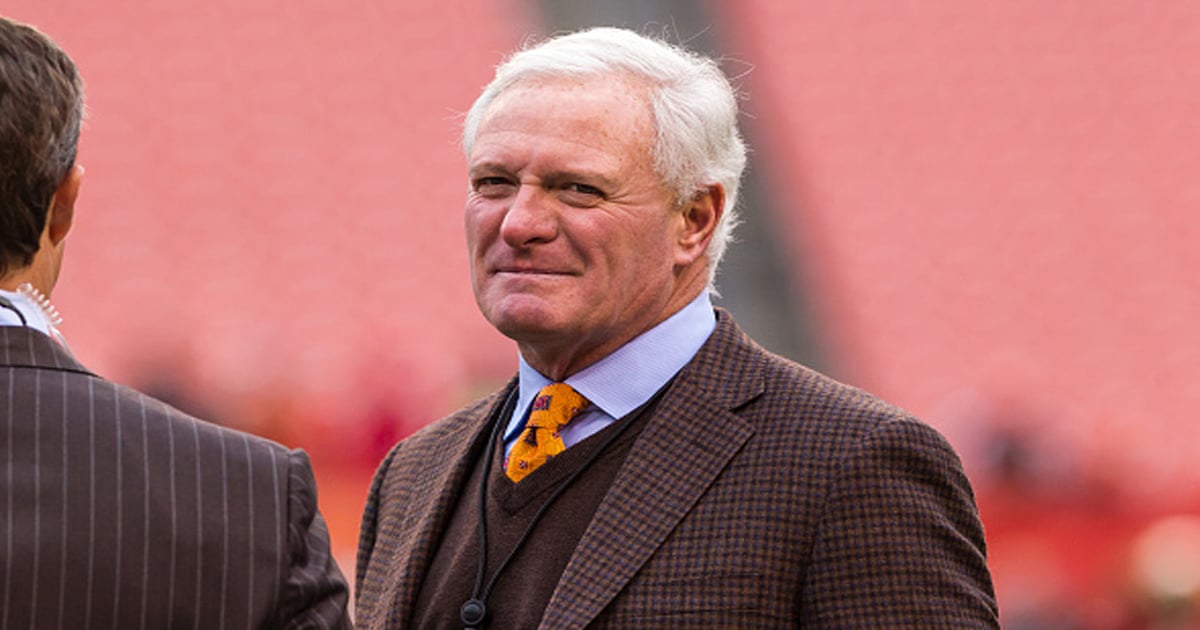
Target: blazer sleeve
pixel 900 542
pixel 315 593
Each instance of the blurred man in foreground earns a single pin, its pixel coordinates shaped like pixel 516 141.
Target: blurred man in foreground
pixel 117 511
pixel 649 466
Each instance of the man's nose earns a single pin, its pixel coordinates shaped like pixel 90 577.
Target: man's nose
pixel 531 218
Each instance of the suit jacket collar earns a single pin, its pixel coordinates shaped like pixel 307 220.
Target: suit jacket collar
pixel 692 436
pixel 25 347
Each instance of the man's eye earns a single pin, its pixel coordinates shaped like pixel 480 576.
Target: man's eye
pixel 493 186
pixel 584 189
pixel 582 194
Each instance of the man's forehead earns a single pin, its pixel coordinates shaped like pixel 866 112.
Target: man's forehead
pixel 623 90
pixel 572 124
pixel 628 81
pixel 597 109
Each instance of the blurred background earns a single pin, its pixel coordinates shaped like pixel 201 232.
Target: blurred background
pixel 986 212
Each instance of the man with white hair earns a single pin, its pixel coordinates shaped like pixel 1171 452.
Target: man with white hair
pixel 649 465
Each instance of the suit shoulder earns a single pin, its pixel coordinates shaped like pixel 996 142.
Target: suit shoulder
pixel 742 374
pixel 800 384
pixel 782 395
pixel 404 459
pixel 134 406
pixel 452 426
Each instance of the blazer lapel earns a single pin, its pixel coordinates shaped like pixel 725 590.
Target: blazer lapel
pixel 431 496
pixel 680 453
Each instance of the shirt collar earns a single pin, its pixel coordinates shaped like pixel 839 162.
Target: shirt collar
pixel 35 317
pixel 627 378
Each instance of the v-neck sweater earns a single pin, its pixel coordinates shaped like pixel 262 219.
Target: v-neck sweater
pixel 526 585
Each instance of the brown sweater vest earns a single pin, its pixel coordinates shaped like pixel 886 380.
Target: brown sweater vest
pixel 524 588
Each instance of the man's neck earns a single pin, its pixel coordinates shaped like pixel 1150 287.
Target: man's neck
pixel 559 362
pixel 28 274
pixel 11 281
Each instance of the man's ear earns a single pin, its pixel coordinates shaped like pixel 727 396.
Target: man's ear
pixel 700 218
pixel 62 206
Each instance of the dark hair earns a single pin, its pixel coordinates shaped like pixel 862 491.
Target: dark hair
pixel 41 110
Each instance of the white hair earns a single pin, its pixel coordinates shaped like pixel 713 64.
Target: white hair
pixel 694 106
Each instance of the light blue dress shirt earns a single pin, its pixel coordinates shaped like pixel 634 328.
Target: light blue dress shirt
pixel 625 379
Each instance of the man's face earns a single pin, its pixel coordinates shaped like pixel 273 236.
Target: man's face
pixel 572 234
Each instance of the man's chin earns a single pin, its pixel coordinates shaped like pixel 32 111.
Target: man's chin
pixel 525 321
pixel 526 329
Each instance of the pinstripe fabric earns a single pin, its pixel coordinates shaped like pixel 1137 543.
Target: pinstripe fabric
pixel 761 494
pixel 117 511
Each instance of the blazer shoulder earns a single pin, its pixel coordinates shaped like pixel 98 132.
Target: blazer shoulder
pixel 781 397
pixel 459 425
pixel 159 416
pixel 40 363
pixel 408 464
pixel 733 361
pixel 832 407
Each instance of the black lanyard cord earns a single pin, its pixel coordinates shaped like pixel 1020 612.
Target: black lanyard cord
pixel 4 303
pixel 474 611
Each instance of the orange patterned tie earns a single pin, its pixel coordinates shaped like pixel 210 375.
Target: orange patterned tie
pixel 553 408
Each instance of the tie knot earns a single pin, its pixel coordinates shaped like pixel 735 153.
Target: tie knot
pixel 555 405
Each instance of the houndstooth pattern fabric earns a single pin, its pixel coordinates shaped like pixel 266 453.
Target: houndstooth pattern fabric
pixel 760 495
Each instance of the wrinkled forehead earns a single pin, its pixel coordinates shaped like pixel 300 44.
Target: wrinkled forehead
pixel 625 89
pixel 615 103
pixel 609 108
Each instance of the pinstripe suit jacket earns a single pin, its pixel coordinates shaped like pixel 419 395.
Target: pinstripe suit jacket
pixel 760 494
pixel 117 511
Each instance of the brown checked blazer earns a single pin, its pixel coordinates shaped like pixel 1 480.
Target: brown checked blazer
pixel 117 511
pixel 760 494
